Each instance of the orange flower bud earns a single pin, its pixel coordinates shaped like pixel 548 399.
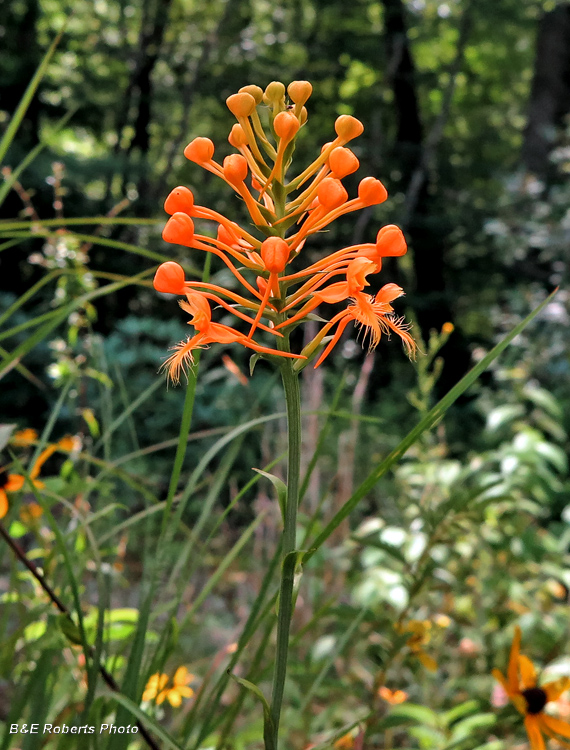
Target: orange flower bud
pixel 180 199
pixel 261 284
pixel 255 184
pixel 275 254
pixel 331 193
pixel 226 236
pixel 343 162
pixel 286 125
pixel 200 150
pixel 237 136
pixel 325 146
pixel 241 105
pixel 390 242
pixel 303 114
pixel 170 278
pixel 348 127
pixel 299 91
pixel 179 230
pixel 254 91
pixel 275 92
pixel 235 168
pixel 371 191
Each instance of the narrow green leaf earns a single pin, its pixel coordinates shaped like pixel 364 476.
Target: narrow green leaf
pixel 145 719
pixel 268 728
pixel 29 93
pixel 280 487
pixel 431 418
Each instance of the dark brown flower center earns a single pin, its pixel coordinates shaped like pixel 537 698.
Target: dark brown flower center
pixel 535 700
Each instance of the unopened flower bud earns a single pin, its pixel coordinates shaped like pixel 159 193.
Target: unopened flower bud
pixel 275 92
pixel 200 150
pixel 286 125
pixel 348 127
pixel 179 230
pixel 325 146
pixel 371 191
pixel 180 199
pixel 241 105
pixel 170 278
pixel 390 242
pixel 275 254
pixel 235 168
pixel 261 284
pixel 447 329
pixel 255 91
pixel 299 91
pixel 226 236
pixel 303 115
pixel 237 136
pixel 343 162
pixel 331 193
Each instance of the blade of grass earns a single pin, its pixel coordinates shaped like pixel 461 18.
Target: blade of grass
pixel 226 561
pixel 125 414
pixel 26 99
pixel 431 418
pixel 132 676
pixel 132 708
pixel 255 618
pixel 334 654
pixel 23 298
pixel 54 319
pixel 12 178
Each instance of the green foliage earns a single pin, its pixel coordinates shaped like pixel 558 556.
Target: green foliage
pixel 152 568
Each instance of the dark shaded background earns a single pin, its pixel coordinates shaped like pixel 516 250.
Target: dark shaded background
pixel 465 106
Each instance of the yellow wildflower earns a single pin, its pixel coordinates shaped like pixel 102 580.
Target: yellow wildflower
pixel 156 688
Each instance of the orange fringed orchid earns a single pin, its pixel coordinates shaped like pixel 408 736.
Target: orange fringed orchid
pixel 208 333
pixel 530 699
pixel 270 282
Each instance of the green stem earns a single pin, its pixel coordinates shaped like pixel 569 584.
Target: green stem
pixel 288 557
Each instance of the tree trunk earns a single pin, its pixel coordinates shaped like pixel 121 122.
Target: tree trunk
pixel 425 228
pixel 550 92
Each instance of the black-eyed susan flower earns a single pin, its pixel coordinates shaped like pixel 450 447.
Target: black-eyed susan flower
pixel 15 482
pixel 160 689
pixel 530 699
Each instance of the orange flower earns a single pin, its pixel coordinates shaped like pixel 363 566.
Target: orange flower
pixel 530 699
pixel 420 631
pixel 208 333
pixel 393 697
pixel 346 742
pixel 156 688
pixel 284 295
pixel 15 482
pixel 375 315
pixel 24 437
